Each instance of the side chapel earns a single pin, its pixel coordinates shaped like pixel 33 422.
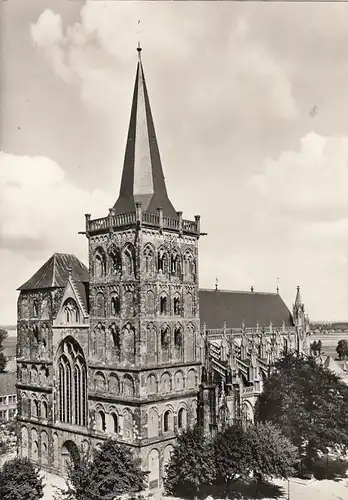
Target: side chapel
pixel 131 347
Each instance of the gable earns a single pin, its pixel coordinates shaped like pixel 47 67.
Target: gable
pixel 72 308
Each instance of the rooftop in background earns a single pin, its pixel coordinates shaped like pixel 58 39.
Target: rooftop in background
pixel 237 308
pixel 8 383
pixel 55 272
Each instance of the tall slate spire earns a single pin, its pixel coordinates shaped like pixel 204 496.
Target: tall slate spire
pixel 142 177
pixel 298 300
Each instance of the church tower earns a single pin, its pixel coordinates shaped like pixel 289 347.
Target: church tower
pixel 144 342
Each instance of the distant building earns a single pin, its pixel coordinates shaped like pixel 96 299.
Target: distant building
pixel 130 347
pixel 8 396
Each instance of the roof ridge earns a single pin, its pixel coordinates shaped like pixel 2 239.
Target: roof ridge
pixel 248 292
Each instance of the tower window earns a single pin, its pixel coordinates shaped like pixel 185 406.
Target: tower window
pixel 163 304
pixel 176 305
pixel 102 421
pixel 115 305
pixel 167 421
pixel 100 263
pixel 115 260
pixel 115 333
pixel 35 308
pixel 182 418
pixel 114 423
pixel 162 261
pixel 71 312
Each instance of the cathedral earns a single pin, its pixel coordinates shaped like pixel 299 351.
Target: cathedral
pixel 130 347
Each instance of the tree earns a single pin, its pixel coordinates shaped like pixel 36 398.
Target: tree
pixel 272 454
pixel 309 403
pixel 3 361
pixel 192 464
pixel 316 347
pixel 260 449
pixel 20 480
pixel 232 454
pixel 110 470
pixel 342 349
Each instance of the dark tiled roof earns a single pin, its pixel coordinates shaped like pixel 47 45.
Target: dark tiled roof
pixel 82 289
pixel 55 272
pixel 250 308
pixel 8 383
pixel 142 159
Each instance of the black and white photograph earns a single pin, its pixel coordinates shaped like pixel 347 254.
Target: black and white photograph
pixel 173 250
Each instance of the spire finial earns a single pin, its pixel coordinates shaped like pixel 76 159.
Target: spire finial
pixel 139 49
pixel 216 283
pixel 278 286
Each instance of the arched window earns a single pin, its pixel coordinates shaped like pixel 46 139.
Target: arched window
pixel 72 378
pixel 167 421
pixel 178 342
pixel 71 311
pixel 115 305
pixel 34 408
pixel 189 312
pixel 163 303
pixel 115 333
pixel 128 386
pixel 152 423
pixel 100 263
pixel 151 384
pixel 35 308
pixel 129 260
pixel 114 384
pixel 114 421
pixel 179 381
pixel 166 384
pixel 162 261
pixel 100 305
pixel 149 257
pixel 115 260
pixel 176 304
pixel 182 418
pixel 101 421
pixel 150 303
pixel 99 382
pixel 175 264
pixel 44 411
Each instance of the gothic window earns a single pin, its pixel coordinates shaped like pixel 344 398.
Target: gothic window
pixel 114 384
pixel 150 303
pixel 194 412
pixel 115 305
pixel 162 261
pixel 149 257
pixel 44 447
pixel 163 303
pixel 115 260
pixel 115 334
pixel 128 256
pixel 190 342
pixel 100 305
pixel 175 264
pixel 178 342
pixel 44 410
pixel 72 391
pixel 35 308
pixel 71 311
pixel 182 418
pixel 34 375
pixel 114 421
pixel 36 333
pixel 24 441
pixel 100 263
pixel 189 305
pixel 151 384
pixel 165 343
pixel 167 421
pixel 128 386
pixel 176 303
pixel 128 343
pixel 34 445
pixel 129 304
pixel 101 421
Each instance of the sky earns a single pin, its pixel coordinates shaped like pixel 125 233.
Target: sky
pixel 250 104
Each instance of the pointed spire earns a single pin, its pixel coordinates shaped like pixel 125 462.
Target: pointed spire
pixel 298 301
pixel 142 177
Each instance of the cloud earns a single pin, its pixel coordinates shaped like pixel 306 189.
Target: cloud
pixel 41 213
pixel 96 50
pixel 310 183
